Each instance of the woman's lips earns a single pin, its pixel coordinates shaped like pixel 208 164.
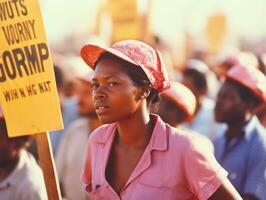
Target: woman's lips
pixel 101 109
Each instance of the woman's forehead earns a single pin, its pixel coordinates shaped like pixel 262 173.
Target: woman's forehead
pixel 109 67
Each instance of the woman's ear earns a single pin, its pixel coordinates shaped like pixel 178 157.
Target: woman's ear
pixel 145 91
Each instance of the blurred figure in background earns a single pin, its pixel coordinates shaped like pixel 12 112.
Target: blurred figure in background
pixel 20 176
pixel 177 105
pixel 68 108
pixel 70 156
pixel 195 77
pixel 261 110
pixel 261 113
pixel 242 148
pixel 224 64
pixel 166 54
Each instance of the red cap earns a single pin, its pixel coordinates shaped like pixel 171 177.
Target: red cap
pixel 183 97
pixel 135 52
pixel 229 60
pixel 251 78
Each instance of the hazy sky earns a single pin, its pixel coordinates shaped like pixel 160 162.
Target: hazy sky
pixel 169 19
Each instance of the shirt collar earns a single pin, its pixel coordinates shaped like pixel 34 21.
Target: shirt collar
pixel 106 132
pixel 158 141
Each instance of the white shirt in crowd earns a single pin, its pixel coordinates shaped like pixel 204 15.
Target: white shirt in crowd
pixel 25 182
pixel 70 158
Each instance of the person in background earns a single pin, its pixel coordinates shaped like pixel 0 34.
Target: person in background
pixel 225 63
pixel 195 78
pixel 241 150
pixel 70 156
pixel 261 109
pixel 127 155
pixel 177 104
pixel 166 53
pixel 20 176
pixel 68 108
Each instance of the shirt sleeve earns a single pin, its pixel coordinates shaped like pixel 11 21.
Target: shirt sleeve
pixel 255 183
pixel 86 176
pixel 203 172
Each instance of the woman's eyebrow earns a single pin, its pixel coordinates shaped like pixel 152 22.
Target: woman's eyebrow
pixel 107 77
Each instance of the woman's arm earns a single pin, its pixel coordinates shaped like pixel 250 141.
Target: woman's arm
pixel 225 191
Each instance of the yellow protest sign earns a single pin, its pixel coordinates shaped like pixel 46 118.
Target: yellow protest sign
pixel 216 31
pixel 126 23
pixel 27 85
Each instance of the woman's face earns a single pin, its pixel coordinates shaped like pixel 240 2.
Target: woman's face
pixel 115 96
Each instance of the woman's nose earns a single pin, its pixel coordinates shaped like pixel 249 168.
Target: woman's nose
pixel 98 95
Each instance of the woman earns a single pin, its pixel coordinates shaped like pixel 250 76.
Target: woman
pixel 136 155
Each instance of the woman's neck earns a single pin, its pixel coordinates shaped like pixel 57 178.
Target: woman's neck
pixel 136 130
pixel 94 123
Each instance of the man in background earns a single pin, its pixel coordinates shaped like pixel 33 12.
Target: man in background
pixel 71 153
pixel 20 176
pixel 241 150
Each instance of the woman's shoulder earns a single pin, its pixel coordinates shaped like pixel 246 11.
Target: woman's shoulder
pixel 102 133
pixel 187 138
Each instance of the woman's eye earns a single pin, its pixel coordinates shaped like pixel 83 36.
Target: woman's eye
pixel 112 84
pixel 94 85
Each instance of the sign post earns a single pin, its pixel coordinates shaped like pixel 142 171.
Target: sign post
pixel 48 166
pixel 28 94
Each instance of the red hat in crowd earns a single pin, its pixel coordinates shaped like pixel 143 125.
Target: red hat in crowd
pixel 229 61
pixel 251 78
pixel 183 98
pixel 135 52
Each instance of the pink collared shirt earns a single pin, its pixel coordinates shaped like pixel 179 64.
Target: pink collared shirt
pixel 176 165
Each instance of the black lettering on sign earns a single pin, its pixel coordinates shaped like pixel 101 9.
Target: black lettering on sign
pixel 32 58
pixel 12 8
pixel 11 95
pixel 19 57
pixel 19 32
pixel 44 86
pixel 9 65
pixel 21 62
pixel 31 90
pixel 22 92
pixel 43 52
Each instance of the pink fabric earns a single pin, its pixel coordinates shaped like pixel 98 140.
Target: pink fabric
pixel 182 97
pixel 251 78
pixel 176 165
pixel 135 52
